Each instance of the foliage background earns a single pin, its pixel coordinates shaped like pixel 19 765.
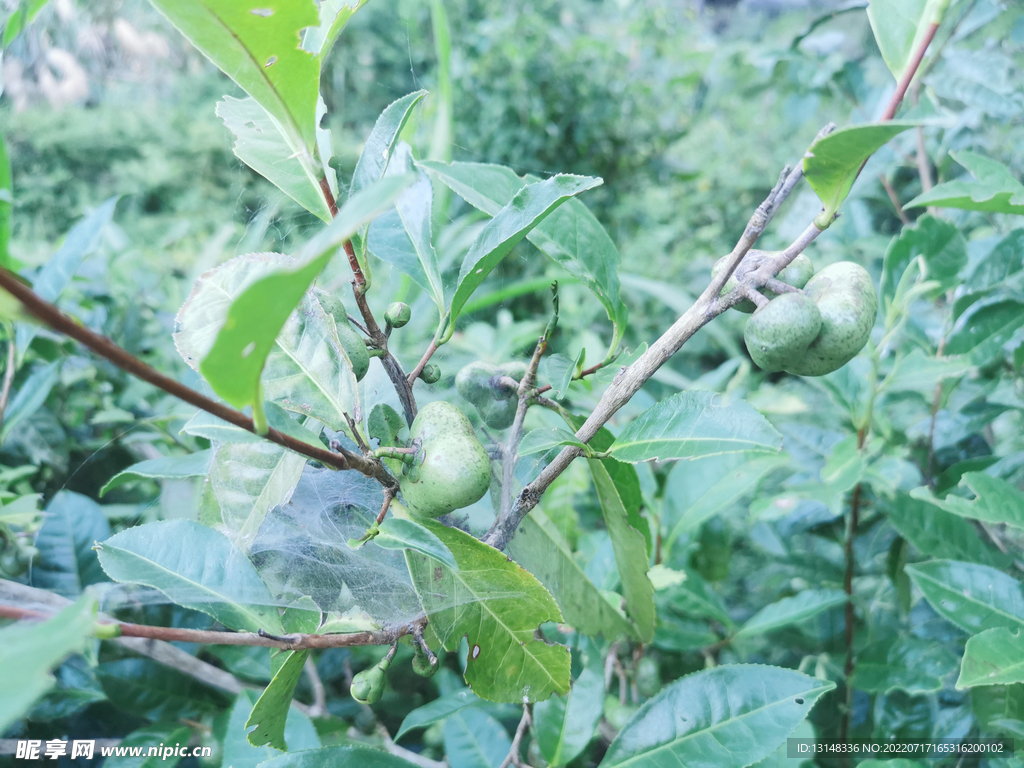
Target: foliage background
pixel 687 113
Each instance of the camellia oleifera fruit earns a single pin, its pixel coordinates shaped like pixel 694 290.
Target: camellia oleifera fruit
pixel 454 470
pixel 797 274
pixel 368 686
pixel 480 383
pixel 781 331
pixel 351 341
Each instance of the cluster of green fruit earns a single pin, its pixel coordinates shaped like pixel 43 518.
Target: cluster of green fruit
pixel 368 686
pixel 816 330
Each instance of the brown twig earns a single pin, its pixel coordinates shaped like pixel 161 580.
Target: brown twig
pixel 908 74
pixel 513 757
pixel 12 359
pixel 511 450
pixel 422 363
pixel 293 642
pixel 849 616
pixel 48 314
pixel 319 706
pixel 891 192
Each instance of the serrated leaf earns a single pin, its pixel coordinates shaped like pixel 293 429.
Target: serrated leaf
pixel 900 27
pixel 972 597
pixel 917 667
pixel 571 236
pixel 832 163
pixel 66 562
pixel 694 598
pixel 334 15
pixel 1004 260
pixel 993 657
pixel 257 46
pixel 156 692
pixel 996 501
pixel 401 533
pixel 531 205
pixel 995 191
pixel 32 649
pixel 692 424
pixel 729 717
pixel 630 551
pixel 985 327
pixel 195 567
pixel 544 439
pixel 541 550
pixel 31 395
pixel 436 711
pixel 248 480
pixel 187 465
pixel 381 142
pixel 474 739
pixel 791 610
pixel 563 726
pixel 270 713
pixel 940 534
pixel 920 372
pixel 263 145
pixel 505 606
pixel 559 370
pixel 941 247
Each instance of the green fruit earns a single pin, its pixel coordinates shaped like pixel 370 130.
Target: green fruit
pixel 499 414
pixel 422 665
pixel 351 341
pixel 397 314
pixel 454 471
pixel 648 677
pixel 430 373
pixel 616 713
pixel 480 384
pixel 474 382
pixel 514 370
pixel 780 332
pixel 368 685
pixel 797 274
pixel 848 304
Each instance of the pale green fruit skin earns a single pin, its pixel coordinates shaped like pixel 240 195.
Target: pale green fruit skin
pixel 351 341
pixel 499 414
pixel 846 298
pixel 474 382
pixel 780 332
pixel 497 405
pixel 797 274
pixel 368 686
pixel 455 471
pixel 515 370
pixel 398 314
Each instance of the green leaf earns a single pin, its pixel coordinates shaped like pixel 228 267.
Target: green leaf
pixel 563 726
pixel 985 327
pixel 66 563
pixel 1006 259
pixel 996 501
pixel 698 490
pixel 248 480
pixel 543 440
pixel 474 739
pixel 402 533
pixel 691 424
pixel 571 236
pixel 917 667
pixel 436 711
pixel 220 431
pixel 540 549
pixel 941 247
pixel 630 551
pixel 382 140
pixel 334 15
pixel 559 370
pixel 263 145
pixel 940 534
pixel 402 236
pixel 920 372
pixel 994 657
pixel 694 598
pixel 31 395
pixel 259 49
pixel 531 205
pixel 995 191
pixel 6 201
pixel 21 17
pixel 505 608
pixel 196 567
pixel 32 649
pixel 973 597
pixel 338 757
pixel 900 27
pixel 729 717
pixel 791 610
pixel 168 733
pixel 188 465
pixel 271 712
pixel 156 692
pixel 832 163
pixel 55 275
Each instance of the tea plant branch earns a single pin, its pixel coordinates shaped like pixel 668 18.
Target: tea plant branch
pixel 629 379
pixel 583 374
pixel 49 315
pixel 110 629
pixel 513 753
pixel 893 198
pixel 510 453
pixel 422 363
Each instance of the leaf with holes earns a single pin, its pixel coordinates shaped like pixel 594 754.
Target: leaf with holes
pixel 334 15
pixel 996 501
pixel 728 717
pixel 693 424
pixel 500 608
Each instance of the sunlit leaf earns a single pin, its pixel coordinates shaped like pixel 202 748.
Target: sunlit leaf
pixel 973 597
pixel 996 189
pixel 994 657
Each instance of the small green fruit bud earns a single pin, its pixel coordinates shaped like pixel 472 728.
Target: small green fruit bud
pixel 398 314
pixel 422 665
pixel 430 373
pixel 368 685
pixel 648 677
